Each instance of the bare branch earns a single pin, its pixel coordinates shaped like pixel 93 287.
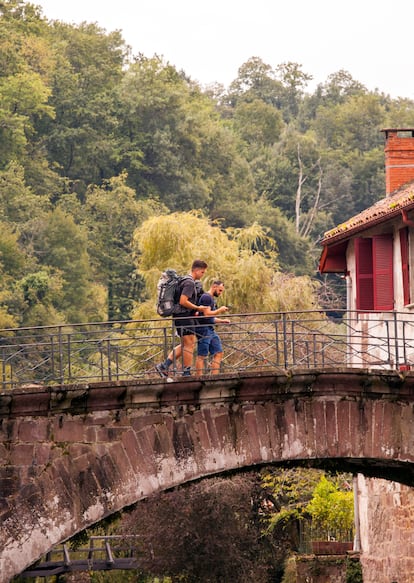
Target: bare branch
pixel 298 200
pixel 311 217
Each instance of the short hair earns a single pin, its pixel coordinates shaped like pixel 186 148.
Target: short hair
pixel 217 282
pixel 198 264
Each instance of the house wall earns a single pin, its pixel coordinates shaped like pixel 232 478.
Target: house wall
pixel 382 339
pixel 398 283
pixel 386 515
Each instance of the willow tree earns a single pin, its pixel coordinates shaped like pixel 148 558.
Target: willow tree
pixel 245 259
pixel 112 214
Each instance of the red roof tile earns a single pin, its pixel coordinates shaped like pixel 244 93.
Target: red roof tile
pixel 381 211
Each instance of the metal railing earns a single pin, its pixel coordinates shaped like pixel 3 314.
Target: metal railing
pixel 113 351
pixel 104 553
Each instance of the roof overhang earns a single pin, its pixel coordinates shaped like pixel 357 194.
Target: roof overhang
pixel 333 258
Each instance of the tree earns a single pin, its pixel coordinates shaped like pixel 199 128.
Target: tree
pixel 290 177
pixel 81 137
pixel 256 80
pixel 13 262
pixel 173 144
pixel 19 205
pixel 111 213
pixel 299 495
pixel 294 251
pixel 257 122
pixel 294 82
pixel 245 259
pixel 41 294
pixel 24 90
pixel 208 532
pixel 341 85
pixel 288 492
pixel 61 247
pixel 332 508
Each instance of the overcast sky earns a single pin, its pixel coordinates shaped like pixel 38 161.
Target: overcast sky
pixel 371 39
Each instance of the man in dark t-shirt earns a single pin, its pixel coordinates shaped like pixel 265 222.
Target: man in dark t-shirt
pixel 208 341
pixel 184 323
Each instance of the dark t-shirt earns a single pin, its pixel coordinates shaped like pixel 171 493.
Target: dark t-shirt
pixel 205 323
pixel 187 289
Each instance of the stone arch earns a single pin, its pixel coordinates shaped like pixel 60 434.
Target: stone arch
pixel 75 455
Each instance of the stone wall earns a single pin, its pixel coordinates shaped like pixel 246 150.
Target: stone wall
pixel 312 569
pixel 387 530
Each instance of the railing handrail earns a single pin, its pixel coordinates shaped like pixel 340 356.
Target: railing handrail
pixel 116 350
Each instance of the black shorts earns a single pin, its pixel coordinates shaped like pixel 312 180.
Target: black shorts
pixel 185 326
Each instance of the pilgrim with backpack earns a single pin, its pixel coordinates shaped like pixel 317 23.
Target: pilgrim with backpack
pixel 177 297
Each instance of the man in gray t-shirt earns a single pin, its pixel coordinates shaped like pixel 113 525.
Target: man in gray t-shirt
pixel 184 323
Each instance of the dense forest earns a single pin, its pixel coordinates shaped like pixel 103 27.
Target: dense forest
pixel 114 166
pixel 95 142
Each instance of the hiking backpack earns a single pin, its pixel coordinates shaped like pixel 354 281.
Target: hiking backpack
pixel 168 293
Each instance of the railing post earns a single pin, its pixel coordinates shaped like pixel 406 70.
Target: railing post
pixel 70 355
pixel 52 356
pixel 109 556
pixel 285 353
pixel 397 356
pixel 404 344
pixel 116 348
pixel 91 548
pixel 66 556
pixel 165 342
pixel 3 363
pixel 108 350
pixel 60 344
pixel 101 358
pixel 277 342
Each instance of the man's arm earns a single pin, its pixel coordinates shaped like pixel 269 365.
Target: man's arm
pixel 222 321
pixel 209 312
pixel 185 303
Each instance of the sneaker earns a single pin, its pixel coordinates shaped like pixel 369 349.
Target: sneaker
pixel 162 370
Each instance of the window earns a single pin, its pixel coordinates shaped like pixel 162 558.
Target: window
pixel 374 273
pixel 405 263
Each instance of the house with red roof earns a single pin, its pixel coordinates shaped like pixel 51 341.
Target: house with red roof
pixel 374 251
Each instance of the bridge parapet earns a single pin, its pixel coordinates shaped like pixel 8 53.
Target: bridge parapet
pixel 74 454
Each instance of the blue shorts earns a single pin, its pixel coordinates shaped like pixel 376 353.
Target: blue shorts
pixel 209 343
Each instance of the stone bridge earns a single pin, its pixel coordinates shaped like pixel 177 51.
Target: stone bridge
pixel 74 454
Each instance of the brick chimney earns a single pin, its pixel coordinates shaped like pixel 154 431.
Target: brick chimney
pixel 399 158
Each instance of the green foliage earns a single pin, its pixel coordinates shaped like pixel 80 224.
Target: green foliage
pixel 245 259
pixel 112 215
pixel 41 291
pixel 109 142
pixel 61 244
pixel 353 571
pixel 299 496
pixel 258 122
pixel 173 143
pixel 290 490
pixel 332 509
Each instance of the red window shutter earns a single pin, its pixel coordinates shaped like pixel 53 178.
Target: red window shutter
pixel 405 264
pixel 364 274
pixel 382 260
